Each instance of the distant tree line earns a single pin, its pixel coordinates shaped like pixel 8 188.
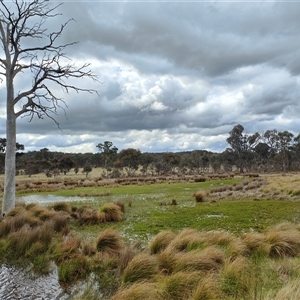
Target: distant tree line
pixel 271 151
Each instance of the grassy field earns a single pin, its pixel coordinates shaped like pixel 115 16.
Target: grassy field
pixel 240 239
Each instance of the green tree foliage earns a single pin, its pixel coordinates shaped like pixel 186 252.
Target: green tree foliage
pixel 108 153
pixel 129 159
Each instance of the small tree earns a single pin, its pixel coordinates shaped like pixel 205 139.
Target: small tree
pixel 108 153
pixel 87 168
pixel 29 50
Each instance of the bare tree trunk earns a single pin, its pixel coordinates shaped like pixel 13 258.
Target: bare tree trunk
pixel 10 157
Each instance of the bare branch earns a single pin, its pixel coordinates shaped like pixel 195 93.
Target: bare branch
pixel 47 64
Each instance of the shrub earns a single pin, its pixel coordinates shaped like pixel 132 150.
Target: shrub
pixel 200 196
pixel 109 241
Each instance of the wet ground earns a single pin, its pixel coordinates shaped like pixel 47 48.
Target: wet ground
pixel 18 284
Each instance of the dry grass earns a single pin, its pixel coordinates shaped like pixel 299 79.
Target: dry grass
pixel 209 259
pixel 283 243
pixel 207 289
pixel 109 242
pixel 187 239
pixel 112 212
pixel 139 291
pixel 235 278
pixel 200 196
pixel 161 241
pixel 291 291
pixel 61 206
pixel 180 285
pixel 141 267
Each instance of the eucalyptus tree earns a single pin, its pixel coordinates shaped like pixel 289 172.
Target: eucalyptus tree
pixel 242 146
pixel 30 51
pixel 108 153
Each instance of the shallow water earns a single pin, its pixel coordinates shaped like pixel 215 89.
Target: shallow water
pixel 17 283
pixel 48 199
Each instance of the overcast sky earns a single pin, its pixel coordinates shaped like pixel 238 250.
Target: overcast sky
pixel 173 76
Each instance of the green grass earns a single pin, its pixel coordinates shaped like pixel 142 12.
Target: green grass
pixel 149 212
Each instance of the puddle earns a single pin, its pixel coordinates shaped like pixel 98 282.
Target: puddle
pixel 48 199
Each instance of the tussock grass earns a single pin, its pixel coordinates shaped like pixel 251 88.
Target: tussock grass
pixel 235 278
pixel 167 261
pixel 291 291
pixel 200 196
pixel 187 239
pixel 209 259
pixel 112 212
pixel 139 291
pixel 161 241
pixel 179 285
pixel 77 269
pixel 109 242
pixel 126 254
pixel 141 267
pixel 61 206
pixel 283 243
pixel 255 243
pixel 207 289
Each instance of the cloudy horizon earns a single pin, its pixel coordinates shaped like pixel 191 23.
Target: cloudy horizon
pixel 173 76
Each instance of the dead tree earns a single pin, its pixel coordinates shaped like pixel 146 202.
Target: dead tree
pixel 29 49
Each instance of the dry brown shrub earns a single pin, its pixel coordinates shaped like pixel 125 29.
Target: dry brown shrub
pixel 200 196
pixel 110 242
pixel 141 267
pixel 161 241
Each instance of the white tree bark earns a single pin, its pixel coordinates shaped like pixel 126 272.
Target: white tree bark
pixel 45 64
pixel 8 201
